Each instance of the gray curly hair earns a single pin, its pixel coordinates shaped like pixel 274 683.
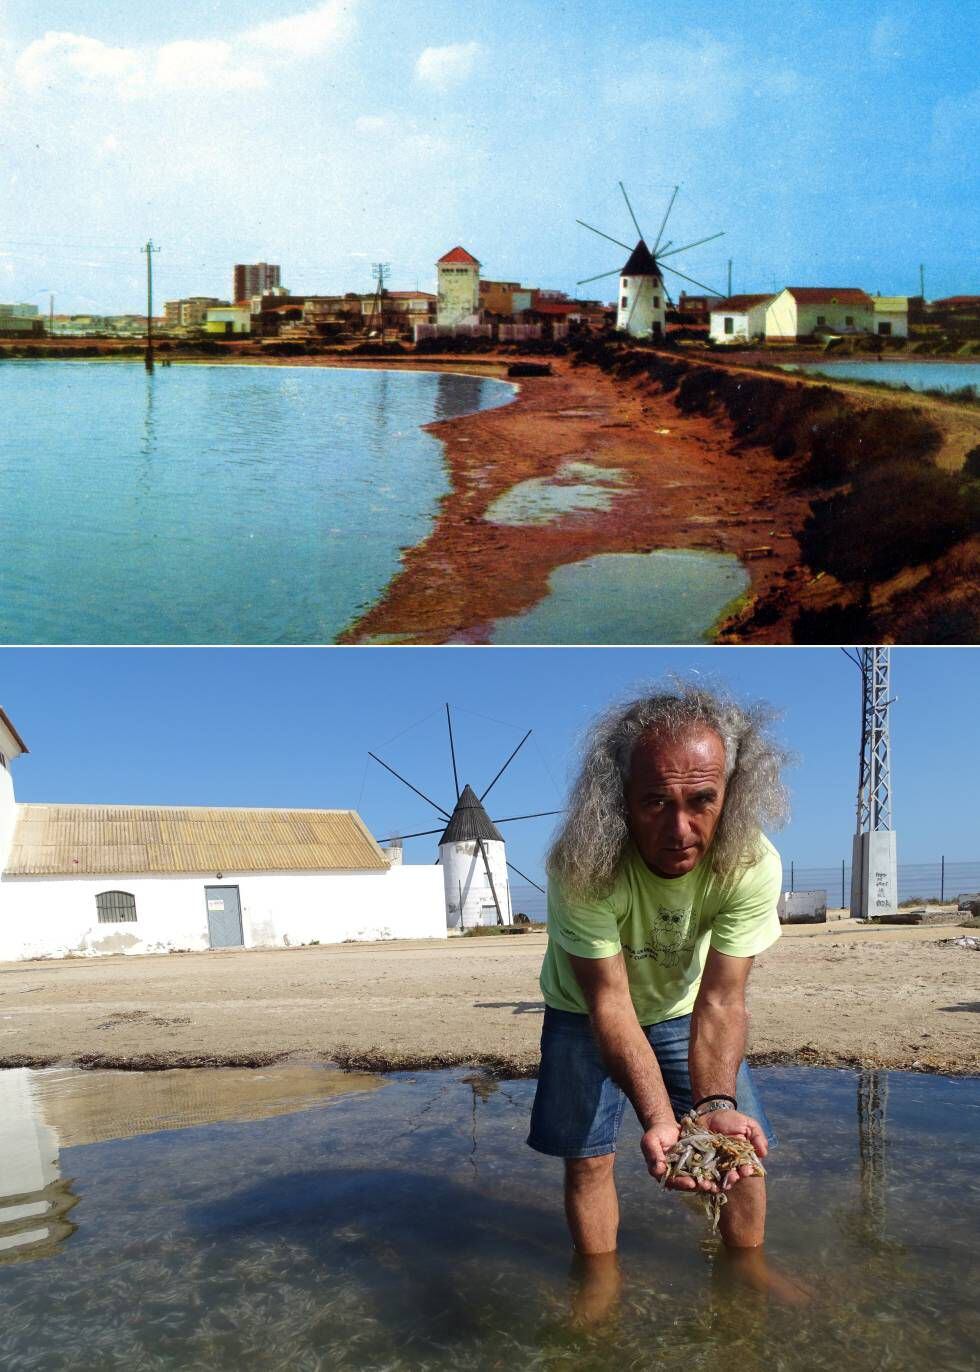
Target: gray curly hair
pixel 586 854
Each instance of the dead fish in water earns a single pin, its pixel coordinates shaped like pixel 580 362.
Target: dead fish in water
pixel 704 1156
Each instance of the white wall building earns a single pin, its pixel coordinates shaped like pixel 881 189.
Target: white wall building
pixel 891 316
pixel 91 879
pixel 802 311
pixel 228 319
pixel 458 276
pixel 738 319
pixel 641 309
pixel 474 866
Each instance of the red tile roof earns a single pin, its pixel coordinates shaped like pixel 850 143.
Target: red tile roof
pixel 736 303
pixel 958 300
pixel 460 255
pixel 830 295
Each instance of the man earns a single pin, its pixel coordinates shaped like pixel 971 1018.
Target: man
pixel 662 890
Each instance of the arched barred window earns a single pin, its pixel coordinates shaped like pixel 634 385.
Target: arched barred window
pixel 115 907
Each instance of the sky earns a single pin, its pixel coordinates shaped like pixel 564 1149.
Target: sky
pixel 833 141
pixel 293 727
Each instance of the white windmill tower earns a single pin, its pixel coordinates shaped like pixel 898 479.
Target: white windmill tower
pixel 471 849
pixel 641 310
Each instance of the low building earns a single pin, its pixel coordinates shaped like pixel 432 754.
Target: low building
pixel 458 277
pixel 800 312
pixel 84 880
pixel 497 297
pixel 738 319
pixel 891 316
pixel 190 313
pixel 228 319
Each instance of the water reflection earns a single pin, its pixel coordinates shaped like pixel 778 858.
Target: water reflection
pixel 34 1198
pixel 412 1227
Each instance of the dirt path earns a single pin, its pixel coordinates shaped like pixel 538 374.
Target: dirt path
pixel 679 486
pixel 836 994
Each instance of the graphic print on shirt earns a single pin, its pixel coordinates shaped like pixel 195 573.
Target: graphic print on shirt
pixel 671 940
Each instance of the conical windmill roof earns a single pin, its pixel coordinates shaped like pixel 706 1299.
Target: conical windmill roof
pixel 470 821
pixel 641 262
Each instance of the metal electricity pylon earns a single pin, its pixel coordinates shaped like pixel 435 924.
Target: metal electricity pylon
pixel 382 270
pixel 874 885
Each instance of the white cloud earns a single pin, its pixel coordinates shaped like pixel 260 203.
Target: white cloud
pixel 442 68
pixel 61 57
pixel 307 34
pixel 211 65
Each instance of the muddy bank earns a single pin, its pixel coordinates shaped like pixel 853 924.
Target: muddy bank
pixel 672 484
pixel 839 995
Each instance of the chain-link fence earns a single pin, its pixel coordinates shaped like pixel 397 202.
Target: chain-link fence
pixel 917 881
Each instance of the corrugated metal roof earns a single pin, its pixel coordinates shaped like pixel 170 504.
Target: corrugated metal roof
pixel 470 821
pixel 62 840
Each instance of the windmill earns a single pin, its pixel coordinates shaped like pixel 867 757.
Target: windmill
pixel 471 847
pixel 641 311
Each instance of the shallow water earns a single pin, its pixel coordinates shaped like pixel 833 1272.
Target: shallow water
pixel 212 504
pixel 408 1226
pixel 918 376
pixel 576 487
pixel 668 596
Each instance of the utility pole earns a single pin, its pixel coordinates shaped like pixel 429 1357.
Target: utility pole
pixel 149 250
pixel 382 270
pixel 922 281
pixel 874 872
pixel 729 278
pixel 51 314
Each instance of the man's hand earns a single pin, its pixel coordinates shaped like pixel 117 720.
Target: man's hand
pixel 658 1136
pixel 734 1123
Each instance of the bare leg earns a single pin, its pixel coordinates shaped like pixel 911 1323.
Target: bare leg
pixel 591 1203
pixel 596 1283
pixel 743 1229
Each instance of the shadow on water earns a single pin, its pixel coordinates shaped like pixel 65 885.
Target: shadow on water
pixel 403 1223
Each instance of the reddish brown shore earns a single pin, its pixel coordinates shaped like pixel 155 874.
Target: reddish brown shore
pixel 681 489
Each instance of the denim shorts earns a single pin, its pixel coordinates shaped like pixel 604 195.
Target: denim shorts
pixel 578 1108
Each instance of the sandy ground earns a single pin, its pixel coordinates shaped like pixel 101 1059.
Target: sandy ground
pixel 840 994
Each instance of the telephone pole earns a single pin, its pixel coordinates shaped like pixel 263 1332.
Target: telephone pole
pixel 729 278
pixel 149 250
pixel 382 270
pixel 874 875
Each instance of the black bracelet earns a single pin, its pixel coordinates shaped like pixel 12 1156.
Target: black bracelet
pixel 714 1095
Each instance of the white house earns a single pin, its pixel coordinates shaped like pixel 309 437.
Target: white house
pixel 740 318
pixel 225 319
pixel 891 316
pixel 458 275
pixel 641 310
pixel 90 879
pixel 474 865
pixel 802 311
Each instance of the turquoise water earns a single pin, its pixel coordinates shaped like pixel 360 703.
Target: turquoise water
pixel 212 504
pixel 408 1226
pixel 919 376
pixel 668 596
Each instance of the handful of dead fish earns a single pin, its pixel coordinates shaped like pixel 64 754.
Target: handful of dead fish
pixel 704 1156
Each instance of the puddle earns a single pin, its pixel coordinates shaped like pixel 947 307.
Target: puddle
pixel 668 596
pixel 575 487
pixel 411 1227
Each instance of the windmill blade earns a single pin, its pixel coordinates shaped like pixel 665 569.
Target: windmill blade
pixel 525 877
pixel 452 750
pixel 422 833
pixel 511 819
pixel 428 799
pixel 710 289
pixel 630 208
pixel 605 235
pixel 493 889
pixel 665 218
pixel 585 282
pixel 506 765
pixel 710 239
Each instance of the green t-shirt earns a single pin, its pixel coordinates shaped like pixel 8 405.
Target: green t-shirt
pixel 664 928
